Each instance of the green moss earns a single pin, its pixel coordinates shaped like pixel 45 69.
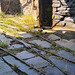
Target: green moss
pixel 3 44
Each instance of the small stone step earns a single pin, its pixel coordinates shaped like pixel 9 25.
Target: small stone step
pixel 24 55
pixel 37 62
pixel 66 54
pixel 66 44
pixel 65 66
pixel 21 66
pixel 53 71
pixel 43 44
pixel 53 37
pixel 5 69
pixel 16 46
pixel 25 35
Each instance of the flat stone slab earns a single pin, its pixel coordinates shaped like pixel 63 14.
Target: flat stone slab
pixel 24 55
pixel 66 44
pixel 25 35
pixel 53 71
pixel 66 54
pixel 72 40
pixel 21 66
pixel 43 44
pixel 65 66
pixel 37 62
pixel 53 37
pixel 5 69
pixel 25 43
pixel 16 46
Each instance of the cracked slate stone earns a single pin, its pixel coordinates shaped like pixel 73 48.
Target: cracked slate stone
pixel 72 40
pixel 53 37
pixel 16 46
pixel 37 62
pixel 26 44
pixel 66 44
pixel 43 44
pixel 42 52
pixel 21 66
pixel 5 69
pixel 65 66
pixel 67 55
pixel 24 55
pixel 25 35
pixel 53 71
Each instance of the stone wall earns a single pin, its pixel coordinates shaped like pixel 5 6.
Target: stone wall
pixel 14 5
pixel 27 7
pixel 64 12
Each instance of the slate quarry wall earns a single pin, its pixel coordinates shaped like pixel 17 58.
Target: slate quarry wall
pixel 64 12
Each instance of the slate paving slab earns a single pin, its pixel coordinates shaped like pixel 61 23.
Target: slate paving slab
pixel 21 66
pixel 16 46
pixel 53 71
pixel 66 54
pixel 37 62
pixel 24 55
pixel 66 44
pixel 65 66
pixel 43 44
pixel 5 69
pixel 53 37
pixel 25 35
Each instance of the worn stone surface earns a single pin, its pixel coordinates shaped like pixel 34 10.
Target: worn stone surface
pixel 43 44
pixel 5 69
pixel 24 55
pixel 53 71
pixel 21 66
pixel 72 40
pixel 37 62
pixel 16 46
pixel 65 54
pixel 25 43
pixel 42 52
pixel 66 44
pixel 53 37
pixel 65 66
pixel 25 35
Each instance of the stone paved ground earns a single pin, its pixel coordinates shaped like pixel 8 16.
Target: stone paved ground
pixel 28 55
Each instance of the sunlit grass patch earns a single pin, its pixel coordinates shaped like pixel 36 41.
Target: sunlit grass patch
pixel 14 24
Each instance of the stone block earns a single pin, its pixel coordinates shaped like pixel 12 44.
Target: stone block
pixel 21 66
pixel 37 62
pixel 24 55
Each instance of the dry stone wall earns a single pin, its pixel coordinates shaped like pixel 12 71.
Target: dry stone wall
pixel 64 11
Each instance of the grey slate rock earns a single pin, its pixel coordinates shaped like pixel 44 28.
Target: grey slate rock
pixel 37 62
pixel 21 66
pixel 16 46
pixel 5 69
pixel 65 66
pixel 67 55
pixel 43 44
pixel 66 44
pixel 25 35
pixel 53 37
pixel 53 71
pixel 24 55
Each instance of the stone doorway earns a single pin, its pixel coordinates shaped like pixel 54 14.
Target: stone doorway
pixel 45 13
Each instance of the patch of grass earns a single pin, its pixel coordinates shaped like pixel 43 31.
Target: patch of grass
pixel 3 44
pixel 14 51
pixel 15 67
pixel 23 23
